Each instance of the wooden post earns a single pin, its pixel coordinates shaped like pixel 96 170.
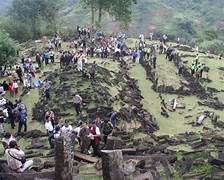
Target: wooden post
pixel 112 163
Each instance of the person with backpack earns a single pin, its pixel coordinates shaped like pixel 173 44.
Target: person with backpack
pixel 16 158
pixel 22 119
pixel 107 129
pixel 55 135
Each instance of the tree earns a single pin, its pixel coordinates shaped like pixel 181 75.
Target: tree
pixel 92 4
pixel 8 49
pixel 33 11
pixel 122 10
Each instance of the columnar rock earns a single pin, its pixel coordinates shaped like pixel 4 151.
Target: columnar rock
pixel 112 163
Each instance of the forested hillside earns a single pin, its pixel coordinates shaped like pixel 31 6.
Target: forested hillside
pixel 196 21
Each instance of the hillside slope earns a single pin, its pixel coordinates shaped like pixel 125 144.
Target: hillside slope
pixel 196 21
pixel 200 21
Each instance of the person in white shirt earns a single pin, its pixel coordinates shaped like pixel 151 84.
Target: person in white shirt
pixel 77 131
pixel 15 87
pixel 50 130
pixel 80 65
pixel 16 158
pixel 77 100
pixel 48 126
pixel 51 54
pixel 66 129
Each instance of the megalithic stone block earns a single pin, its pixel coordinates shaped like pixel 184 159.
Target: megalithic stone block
pixel 112 163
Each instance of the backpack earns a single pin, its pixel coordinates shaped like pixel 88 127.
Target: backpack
pixel 107 128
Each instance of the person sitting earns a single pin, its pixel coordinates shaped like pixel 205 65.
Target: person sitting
pixel 7 139
pixel 16 158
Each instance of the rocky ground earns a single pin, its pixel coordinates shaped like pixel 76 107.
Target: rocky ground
pixel 168 143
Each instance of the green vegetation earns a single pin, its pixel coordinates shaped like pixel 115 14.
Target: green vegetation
pixel 34 17
pixel 197 22
pixel 8 49
pixel 119 9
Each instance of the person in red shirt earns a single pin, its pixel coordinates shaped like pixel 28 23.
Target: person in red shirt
pixel 95 138
pixel 10 89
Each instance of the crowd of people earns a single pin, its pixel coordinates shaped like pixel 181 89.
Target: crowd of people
pixel 197 68
pixel 89 133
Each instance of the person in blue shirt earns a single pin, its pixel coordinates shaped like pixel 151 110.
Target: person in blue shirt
pixel 22 119
pixel 46 57
pixel 114 118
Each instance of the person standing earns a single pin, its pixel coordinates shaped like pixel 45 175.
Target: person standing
pixel 67 129
pixel 114 118
pixel 50 130
pixel 50 115
pixel 95 138
pixel 2 120
pixel 5 86
pixel 107 129
pixel 51 54
pixel 10 89
pixel 22 119
pixel 15 87
pixel 154 58
pixel 84 137
pixel 77 100
pixel 19 73
pixel 46 57
pixel 38 60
